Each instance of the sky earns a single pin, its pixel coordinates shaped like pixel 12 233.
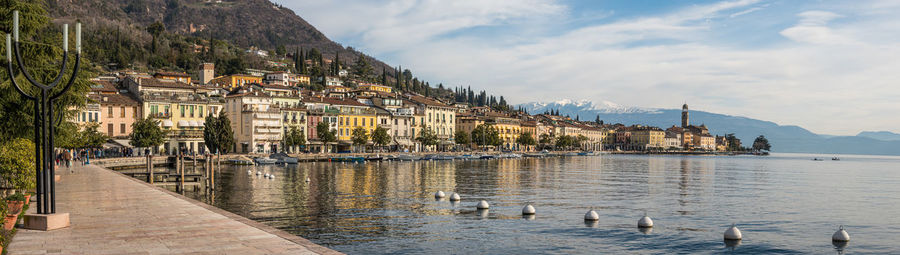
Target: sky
pixel 832 67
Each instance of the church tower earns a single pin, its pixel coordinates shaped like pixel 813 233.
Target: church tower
pixel 684 116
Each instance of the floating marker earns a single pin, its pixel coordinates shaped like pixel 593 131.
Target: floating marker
pixel 454 197
pixel 591 216
pixel 258 172
pixel 307 179
pixel 528 210
pixel 266 175
pixel 272 176
pixel 645 222
pixel 733 233
pixel 483 205
pixel 841 235
pixel 439 194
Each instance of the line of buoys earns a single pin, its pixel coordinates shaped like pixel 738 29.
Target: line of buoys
pixel 733 233
pixel 483 205
pixel 439 194
pixel 528 210
pixel 454 197
pixel 591 216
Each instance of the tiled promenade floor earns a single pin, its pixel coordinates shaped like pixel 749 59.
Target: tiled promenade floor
pixel 114 214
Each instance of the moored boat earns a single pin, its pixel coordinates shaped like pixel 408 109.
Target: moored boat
pixel 262 161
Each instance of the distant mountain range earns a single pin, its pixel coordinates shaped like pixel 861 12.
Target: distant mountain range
pixel 783 138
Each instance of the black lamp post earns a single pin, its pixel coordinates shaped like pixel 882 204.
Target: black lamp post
pixel 43 111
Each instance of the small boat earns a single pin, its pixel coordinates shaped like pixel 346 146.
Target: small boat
pixel 488 157
pixel 836 159
pixel 407 157
pixel 376 158
pixel 468 157
pixel 510 155
pixel 534 155
pixel 588 153
pixel 818 159
pixel 438 157
pixel 349 159
pixel 389 158
pixel 570 154
pixel 284 158
pixel 262 161
pixel 239 162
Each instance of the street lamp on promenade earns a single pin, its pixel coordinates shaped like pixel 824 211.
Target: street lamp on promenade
pixel 44 125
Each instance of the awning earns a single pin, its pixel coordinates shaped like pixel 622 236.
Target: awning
pixel 184 123
pixel 194 123
pixel 403 142
pixel 167 123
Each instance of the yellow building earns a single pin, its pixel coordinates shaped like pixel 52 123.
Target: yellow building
pixel 351 114
pixel 648 137
pixel 509 129
pixel 235 80
pixel 375 87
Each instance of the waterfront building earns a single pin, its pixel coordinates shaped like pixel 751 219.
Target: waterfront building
pixel 119 111
pixel 181 109
pixel 647 138
pixel 508 127
pixel 175 76
pixel 399 119
pixel 437 116
pixel 256 121
pixel 319 111
pixel 673 140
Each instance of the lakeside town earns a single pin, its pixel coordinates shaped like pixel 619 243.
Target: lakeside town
pixel 271 112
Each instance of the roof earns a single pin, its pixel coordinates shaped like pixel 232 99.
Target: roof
pixel 336 101
pixel 427 101
pixel 116 99
pixel 153 82
pixel 103 86
pixel 172 74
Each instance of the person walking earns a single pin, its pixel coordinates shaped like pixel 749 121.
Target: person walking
pixel 67 156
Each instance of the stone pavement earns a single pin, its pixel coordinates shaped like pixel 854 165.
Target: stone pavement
pixel 111 213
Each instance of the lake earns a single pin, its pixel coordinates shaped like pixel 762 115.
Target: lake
pixel 784 203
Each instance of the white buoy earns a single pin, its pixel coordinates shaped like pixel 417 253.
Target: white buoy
pixel 266 175
pixel 307 179
pixel 528 210
pixel 439 194
pixel 733 233
pixel 258 172
pixel 591 216
pixel 645 222
pixel 272 176
pixel 483 205
pixel 454 197
pixel 249 171
pixel 841 235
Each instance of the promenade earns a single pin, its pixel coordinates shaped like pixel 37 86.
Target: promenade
pixel 111 213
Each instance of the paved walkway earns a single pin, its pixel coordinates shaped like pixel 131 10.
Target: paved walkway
pixel 111 213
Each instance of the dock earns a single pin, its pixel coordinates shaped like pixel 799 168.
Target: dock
pixel 112 213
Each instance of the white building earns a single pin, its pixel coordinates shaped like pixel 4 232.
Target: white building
pixel 256 122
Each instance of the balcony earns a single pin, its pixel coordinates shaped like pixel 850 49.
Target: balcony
pixel 160 115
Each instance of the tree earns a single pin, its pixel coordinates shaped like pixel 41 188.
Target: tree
pixel 461 137
pixel 526 138
pixel 362 68
pixel 42 49
pixel 294 137
pixel 380 136
pixel 734 144
pixel 427 136
pixel 147 133
pixel 761 144
pixel 280 50
pixel 217 133
pixel 323 130
pixel 546 140
pixel 359 136
pixel 17 163
pixel 486 135
pixel 580 139
pixel 89 137
pixel 565 142
pixel 155 30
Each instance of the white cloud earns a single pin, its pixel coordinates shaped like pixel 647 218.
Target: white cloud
pixel 836 75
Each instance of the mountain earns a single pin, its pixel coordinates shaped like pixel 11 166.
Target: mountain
pixel 880 135
pixel 244 23
pixel 783 138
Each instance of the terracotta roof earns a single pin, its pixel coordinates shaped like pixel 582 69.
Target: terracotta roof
pixel 116 99
pixel 103 86
pixel 172 74
pixel 336 101
pixel 426 101
pixel 153 82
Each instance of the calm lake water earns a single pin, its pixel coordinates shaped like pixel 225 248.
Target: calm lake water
pixel 783 203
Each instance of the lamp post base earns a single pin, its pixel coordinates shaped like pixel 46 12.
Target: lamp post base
pixel 46 222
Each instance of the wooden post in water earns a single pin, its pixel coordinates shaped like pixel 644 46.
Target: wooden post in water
pixel 182 171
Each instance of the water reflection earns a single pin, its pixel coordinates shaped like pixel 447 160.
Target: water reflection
pixel 389 207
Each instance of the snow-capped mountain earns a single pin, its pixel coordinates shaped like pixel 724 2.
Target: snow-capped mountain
pixel 783 138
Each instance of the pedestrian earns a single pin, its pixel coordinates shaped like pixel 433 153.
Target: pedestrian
pixel 68 158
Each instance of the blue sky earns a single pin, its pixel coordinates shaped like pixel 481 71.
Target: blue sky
pixel 829 66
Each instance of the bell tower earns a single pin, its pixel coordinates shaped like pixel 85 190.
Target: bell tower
pixel 684 116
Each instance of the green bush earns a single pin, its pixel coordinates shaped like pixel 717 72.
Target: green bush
pixel 16 197
pixel 17 163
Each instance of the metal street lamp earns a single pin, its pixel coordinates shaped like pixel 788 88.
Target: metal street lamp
pixel 44 127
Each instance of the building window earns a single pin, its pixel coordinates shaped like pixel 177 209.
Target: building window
pixel 201 111
pixel 122 114
pixel 122 128
pixel 109 113
pixel 109 128
pixel 356 123
pixel 182 110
